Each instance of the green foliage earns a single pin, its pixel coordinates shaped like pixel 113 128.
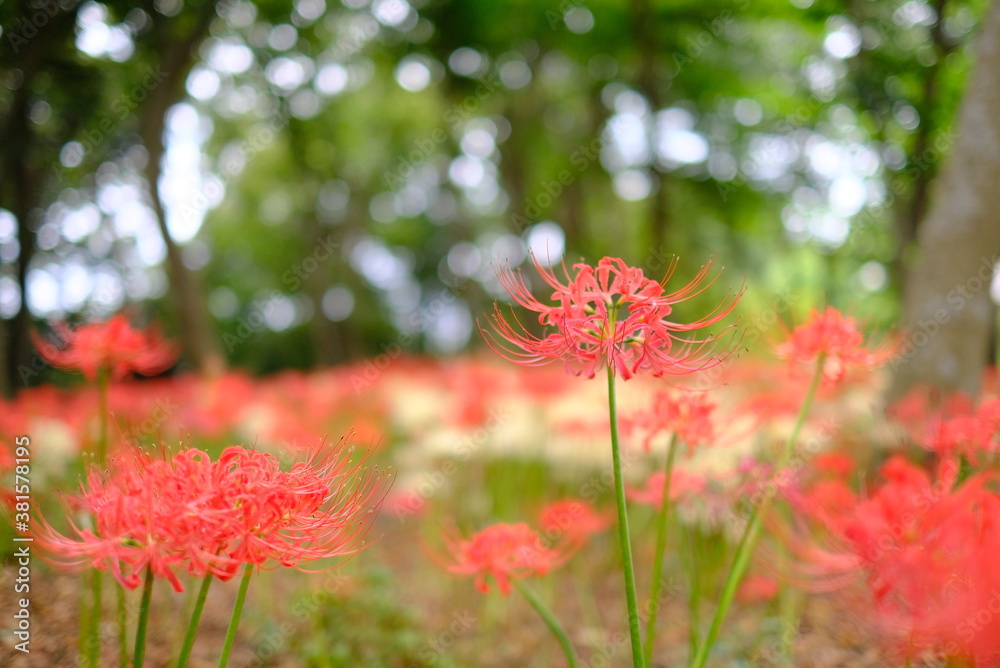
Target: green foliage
pixel 337 153
pixel 369 627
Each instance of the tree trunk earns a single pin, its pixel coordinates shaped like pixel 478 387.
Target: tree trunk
pixel 948 314
pixel 19 192
pixel 196 336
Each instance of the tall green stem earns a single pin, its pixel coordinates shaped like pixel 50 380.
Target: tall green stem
pixel 140 629
pixel 122 628
pixel 83 641
pixel 234 621
pixel 94 620
pixel 90 625
pixel 102 408
pixel 752 531
pixel 623 532
pixel 550 620
pixel 192 629
pixel 694 588
pixel 661 544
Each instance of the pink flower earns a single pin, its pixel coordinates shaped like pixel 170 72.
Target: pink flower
pixel 838 340
pixel 113 346
pixel 611 316
pixel 503 552
pixel 682 485
pixel 573 522
pixel 688 415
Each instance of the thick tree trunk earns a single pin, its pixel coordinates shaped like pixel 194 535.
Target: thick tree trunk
pixel 20 170
pixel 948 313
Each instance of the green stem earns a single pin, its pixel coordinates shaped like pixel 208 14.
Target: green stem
pixel 694 590
pixel 96 612
pixel 140 629
pixel 234 621
pixel 122 628
pixel 752 531
pixel 192 629
pixel 623 533
pixel 86 596
pixel 550 621
pixel 788 607
pixel 102 401
pixel 661 544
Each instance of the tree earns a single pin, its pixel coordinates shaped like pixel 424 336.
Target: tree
pixel 948 313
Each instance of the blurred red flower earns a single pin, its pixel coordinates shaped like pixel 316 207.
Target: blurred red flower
pixel 572 521
pixel 612 316
pixel 837 339
pixel 113 346
pixel 503 552
pixel 926 549
pixel 689 415
pixel 682 485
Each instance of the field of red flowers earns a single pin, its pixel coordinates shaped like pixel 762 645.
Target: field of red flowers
pixel 703 507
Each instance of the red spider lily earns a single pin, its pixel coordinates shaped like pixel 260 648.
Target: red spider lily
pixel 688 415
pixel 113 345
pixel 503 552
pixel 838 340
pixel 188 513
pixel 572 521
pixel 954 427
pixel 682 486
pixel 926 550
pixel 611 316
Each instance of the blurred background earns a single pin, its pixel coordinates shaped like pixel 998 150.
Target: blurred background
pixel 284 184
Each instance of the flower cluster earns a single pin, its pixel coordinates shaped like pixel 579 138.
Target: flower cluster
pixel 610 316
pixel 926 548
pixel 113 346
pixel 189 513
pixel 504 552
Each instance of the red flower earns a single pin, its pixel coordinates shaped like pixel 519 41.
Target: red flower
pixel 682 485
pixel 113 345
pixel 689 415
pixel 927 552
pixel 190 514
pixel 572 521
pixel 503 552
pixel 612 316
pixel 838 340
pixel 756 588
